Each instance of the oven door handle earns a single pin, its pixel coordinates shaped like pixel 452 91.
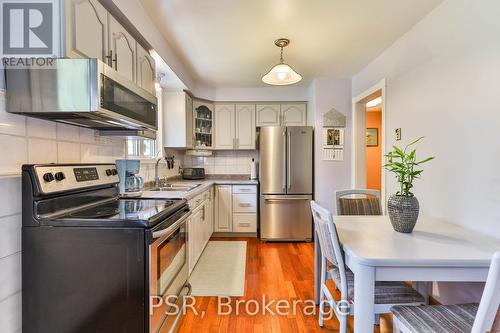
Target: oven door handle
pixel 168 231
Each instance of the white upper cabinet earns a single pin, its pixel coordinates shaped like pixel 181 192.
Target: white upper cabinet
pixel 86 29
pixel 123 49
pixel 293 114
pixel 177 108
pixel 224 126
pixel 235 126
pixel 245 126
pixel 268 114
pixel 145 70
pixel 290 114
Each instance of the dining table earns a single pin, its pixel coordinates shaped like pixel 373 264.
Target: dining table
pixel 435 251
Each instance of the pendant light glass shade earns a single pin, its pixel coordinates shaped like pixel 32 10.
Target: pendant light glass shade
pixel 281 74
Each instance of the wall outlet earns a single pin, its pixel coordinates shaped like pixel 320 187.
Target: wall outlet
pixel 397 133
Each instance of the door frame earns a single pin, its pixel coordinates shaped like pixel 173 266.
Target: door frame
pixel 358 179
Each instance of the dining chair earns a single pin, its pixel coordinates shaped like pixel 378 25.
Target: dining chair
pixel 367 204
pixel 459 318
pixel 387 294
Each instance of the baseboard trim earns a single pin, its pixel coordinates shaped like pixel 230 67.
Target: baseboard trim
pixel 235 234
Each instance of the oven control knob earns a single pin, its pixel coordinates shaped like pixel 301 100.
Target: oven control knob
pixel 108 172
pixel 59 176
pixel 114 172
pixel 48 177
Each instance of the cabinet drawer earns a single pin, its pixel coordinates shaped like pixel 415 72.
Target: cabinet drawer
pixel 245 222
pixel 243 203
pixel 244 189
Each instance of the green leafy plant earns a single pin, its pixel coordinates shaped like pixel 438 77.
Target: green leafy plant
pixel 405 166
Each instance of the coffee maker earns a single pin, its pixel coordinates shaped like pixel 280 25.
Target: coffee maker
pixel 131 184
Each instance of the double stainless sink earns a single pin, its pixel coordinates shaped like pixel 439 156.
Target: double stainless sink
pixel 175 187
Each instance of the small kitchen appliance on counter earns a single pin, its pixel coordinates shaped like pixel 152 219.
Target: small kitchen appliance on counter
pixel 193 173
pixel 130 184
pixel 97 262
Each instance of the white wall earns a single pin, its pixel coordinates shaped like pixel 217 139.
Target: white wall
pixel 330 176
pixel 442 83
pixel 267 93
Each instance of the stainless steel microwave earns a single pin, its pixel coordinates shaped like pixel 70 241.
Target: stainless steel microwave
pixel 81 92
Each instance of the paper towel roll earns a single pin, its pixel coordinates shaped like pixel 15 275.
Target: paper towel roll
pixel 253 169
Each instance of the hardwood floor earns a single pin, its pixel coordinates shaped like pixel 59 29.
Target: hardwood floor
pixel 278 271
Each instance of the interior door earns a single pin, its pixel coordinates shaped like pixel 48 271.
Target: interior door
pixel 272 160
pixel 299 160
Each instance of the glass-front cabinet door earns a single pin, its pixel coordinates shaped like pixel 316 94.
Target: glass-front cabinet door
pixel 203 124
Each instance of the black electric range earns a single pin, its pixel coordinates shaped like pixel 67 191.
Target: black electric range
pixel 92 261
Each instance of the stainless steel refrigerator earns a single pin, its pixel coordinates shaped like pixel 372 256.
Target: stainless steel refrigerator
pixel 286 183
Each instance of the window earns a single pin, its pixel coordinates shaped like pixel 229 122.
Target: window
pixel 141 148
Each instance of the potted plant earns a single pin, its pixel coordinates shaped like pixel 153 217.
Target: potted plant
pixel 403 206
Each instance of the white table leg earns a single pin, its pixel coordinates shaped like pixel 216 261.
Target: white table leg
pixel 364 299
pixel 424 288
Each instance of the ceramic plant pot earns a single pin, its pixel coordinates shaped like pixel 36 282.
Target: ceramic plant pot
pixel 403 212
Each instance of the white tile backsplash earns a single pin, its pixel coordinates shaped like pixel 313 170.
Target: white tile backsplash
pixel 10 279
pixel 38 128
pixel 10 235
pixel 224 162
pixel 10 314
pixel 14 153
pixel 68 152
pixel 87 135
pixel 10 192
pixel 11 123
pixel 42 151
pixel 68 133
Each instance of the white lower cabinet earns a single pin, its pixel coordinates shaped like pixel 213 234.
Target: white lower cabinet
pixel 236 208
pixel 245 222
pixel 223 208
pixel 200 226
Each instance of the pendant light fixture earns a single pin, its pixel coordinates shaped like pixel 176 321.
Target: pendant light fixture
pixel 281 74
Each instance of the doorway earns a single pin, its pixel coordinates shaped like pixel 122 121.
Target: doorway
pixel 369 139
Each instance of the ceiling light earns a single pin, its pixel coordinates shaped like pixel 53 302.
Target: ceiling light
pixel 374 102
pixel 281 74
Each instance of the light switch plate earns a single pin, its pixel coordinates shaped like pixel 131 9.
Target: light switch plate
pixel 397 133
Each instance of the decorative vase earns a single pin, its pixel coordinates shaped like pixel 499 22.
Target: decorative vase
pixel 403 212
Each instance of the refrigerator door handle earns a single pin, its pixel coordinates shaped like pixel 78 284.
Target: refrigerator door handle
pixel 284 160
pixel 285 198
pixel 288 144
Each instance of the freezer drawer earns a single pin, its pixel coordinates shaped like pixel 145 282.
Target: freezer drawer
pixel 285 217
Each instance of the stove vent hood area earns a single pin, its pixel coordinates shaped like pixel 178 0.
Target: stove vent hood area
pixel 85 93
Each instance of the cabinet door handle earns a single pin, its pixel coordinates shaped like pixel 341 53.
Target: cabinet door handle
pixel 115 60
pixel 245 190
pixel 244 224
pixel 110 58
pixel 245 204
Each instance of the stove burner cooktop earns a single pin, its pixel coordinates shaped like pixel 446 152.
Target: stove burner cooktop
pixel 146 212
